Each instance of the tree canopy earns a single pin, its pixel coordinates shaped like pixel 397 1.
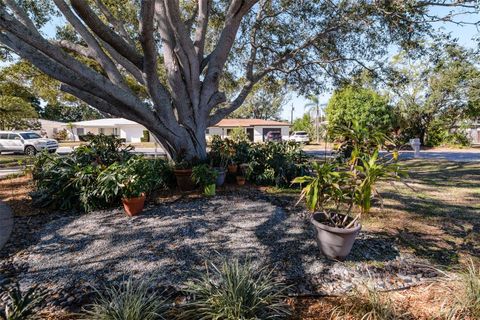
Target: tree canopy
pixel 177 67
pixel 436 93
pixel 356 104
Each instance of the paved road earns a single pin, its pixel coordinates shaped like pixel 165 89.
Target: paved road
pixel 456 156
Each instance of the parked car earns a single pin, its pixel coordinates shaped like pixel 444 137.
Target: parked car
pixel 300 136
pixel 273 136
pixel 26 142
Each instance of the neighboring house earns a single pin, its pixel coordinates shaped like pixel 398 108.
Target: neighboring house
pixel 131 131
pixel 256 129
pixel 122 128
pixel 51 128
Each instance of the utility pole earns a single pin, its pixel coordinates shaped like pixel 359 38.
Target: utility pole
pixel 317 107
pixel 291 115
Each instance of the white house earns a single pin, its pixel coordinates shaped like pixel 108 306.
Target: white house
pixel 131 131
pixel 51 128
pixel 122 128
pixel 256 129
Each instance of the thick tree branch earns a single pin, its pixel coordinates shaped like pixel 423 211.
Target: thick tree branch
pixel 201 32
pixel 96 50
pixel 117 24
pixel 160 96
pixel 83 9
pixel 21 15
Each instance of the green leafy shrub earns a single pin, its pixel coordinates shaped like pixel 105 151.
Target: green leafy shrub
pixel 275 163
pixel 356 104
pixel 72 181
pixel 131 300
pixel 21 305
pixel 236 291
pixel 204 175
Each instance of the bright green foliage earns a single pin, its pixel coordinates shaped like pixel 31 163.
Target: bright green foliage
pixel 353 182
pixel 275 163
pixel 236 291
pixel 22 80
pixel 355 104
pixel 323 186
pixel 21 305
pixel 219 152
pixel 95 176
pixel 204 175
pixel 131 178
pixel 131 300
pixel 13 112
pixel 238 134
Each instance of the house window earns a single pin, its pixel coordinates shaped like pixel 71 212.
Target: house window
pixel 115 131
pixel 101 130
pixel 80 131
pixel 207 131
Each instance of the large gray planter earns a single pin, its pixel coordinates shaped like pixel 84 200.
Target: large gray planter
pixel 6 223
pixel 334 243
pixel 221 176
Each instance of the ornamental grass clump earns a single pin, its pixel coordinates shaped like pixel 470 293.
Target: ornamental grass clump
pixel 22 304
pixel 131 300
pixel 235 291
pixel 466 295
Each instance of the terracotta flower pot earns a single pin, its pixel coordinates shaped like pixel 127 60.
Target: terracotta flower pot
pixel 134 206
pixel 241 180
pixel 334 243
pixel 232 168
pixel 184 179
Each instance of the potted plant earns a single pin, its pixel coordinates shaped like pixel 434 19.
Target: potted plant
pixel 219 158
pixel 183 174
pixel 241 180
pixel 122 180
pixel 205 177
pixel 332 193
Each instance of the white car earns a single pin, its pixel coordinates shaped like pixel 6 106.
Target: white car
pixel 25 142
pixel 300 137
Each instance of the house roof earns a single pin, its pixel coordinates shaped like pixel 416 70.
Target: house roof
pixel 249 123
pixel 108 122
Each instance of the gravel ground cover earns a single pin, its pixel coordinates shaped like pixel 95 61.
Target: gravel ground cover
pixel 172 241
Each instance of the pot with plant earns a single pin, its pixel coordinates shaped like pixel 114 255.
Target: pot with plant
pixel 241 180
pixel 183 174
pixel 121 180
pixel 333 191
pixel 219 158
pixel 206 178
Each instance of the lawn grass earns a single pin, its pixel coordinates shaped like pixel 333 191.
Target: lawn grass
pixel 13 159
pixel 436 214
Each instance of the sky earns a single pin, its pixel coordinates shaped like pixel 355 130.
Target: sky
pixel 465 35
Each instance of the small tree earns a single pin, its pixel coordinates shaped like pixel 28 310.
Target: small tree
pixel 13 113
pixel 363 106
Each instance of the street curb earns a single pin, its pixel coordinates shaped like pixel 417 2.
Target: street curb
pixel 6 223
